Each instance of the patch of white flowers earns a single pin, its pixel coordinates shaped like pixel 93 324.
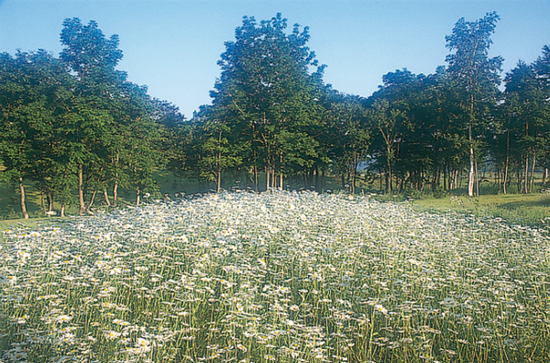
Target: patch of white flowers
pixel 279 276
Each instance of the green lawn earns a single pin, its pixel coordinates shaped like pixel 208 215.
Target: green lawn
pixel 526 209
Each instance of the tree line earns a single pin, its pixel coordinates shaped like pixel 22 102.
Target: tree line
pixel 76 127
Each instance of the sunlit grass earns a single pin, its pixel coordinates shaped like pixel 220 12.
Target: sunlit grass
pixel 525 209
pixel 285 277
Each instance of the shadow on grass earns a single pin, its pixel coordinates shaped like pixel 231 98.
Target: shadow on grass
pixel 543 203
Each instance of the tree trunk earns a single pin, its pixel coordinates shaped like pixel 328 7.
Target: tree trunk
pixel 471 141
pixel 50 202
pixel 255 178
pixel 23 203
pixel 219 163
pixel 471 175
pixel 42 204
pixel 106 196
pixel 518 174
pixel 317 185
pixel 477 179
pixel 445 178
pixel 354 176
pixel 138 195
pixel 115 187
pixel 507 167
pixel 82 208
pixel 532 173
pixel 62 212
pixel 526 176
pixel 389 175
pixel 91 201
pixel 219 181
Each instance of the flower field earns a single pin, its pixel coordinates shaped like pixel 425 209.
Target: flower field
pixel 282 277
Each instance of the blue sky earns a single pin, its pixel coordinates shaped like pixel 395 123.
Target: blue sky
pixel 172 46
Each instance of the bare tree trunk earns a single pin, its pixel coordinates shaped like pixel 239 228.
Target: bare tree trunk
pixel 267 173
pixel 115 187
pixel 281 177
pixel 477 179
pixel 62 212
pixel 91 201
pixel 42 204
pixel 505 183
pixel 138 196
pixel 23 203
pixel 106 196
pixel 50 202
pixel 525 177
pixel 218 166
pixel 317 185
pixel 471 141
pixel 532 173
pixel 255 178
pixel 115 193
pixel 471 175
pixel 354 177
pixel 544 177
pixel 389 176
pixel 82 208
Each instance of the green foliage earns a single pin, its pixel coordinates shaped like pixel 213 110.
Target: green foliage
pixel 267 98
pixel 74 128
pixel 76 122
pixel 477 77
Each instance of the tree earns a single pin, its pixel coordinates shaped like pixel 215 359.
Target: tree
pixel 267 94
pixel 390 117
pixel 525 103
pixel 32 87
pixel 348 134
pixel 542 70
pixel 89 124
pixel 475 74
pixel 217 152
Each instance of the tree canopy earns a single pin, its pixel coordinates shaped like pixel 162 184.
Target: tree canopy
pixel 74 127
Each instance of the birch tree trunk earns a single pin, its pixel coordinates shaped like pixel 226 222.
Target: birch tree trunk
pixel 23 202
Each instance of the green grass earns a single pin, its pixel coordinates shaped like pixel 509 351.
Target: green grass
pixel 525 209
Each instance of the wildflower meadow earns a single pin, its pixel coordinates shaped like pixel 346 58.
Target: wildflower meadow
pixel 277 276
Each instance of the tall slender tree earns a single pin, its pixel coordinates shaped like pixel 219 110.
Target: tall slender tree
pixel 476 75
